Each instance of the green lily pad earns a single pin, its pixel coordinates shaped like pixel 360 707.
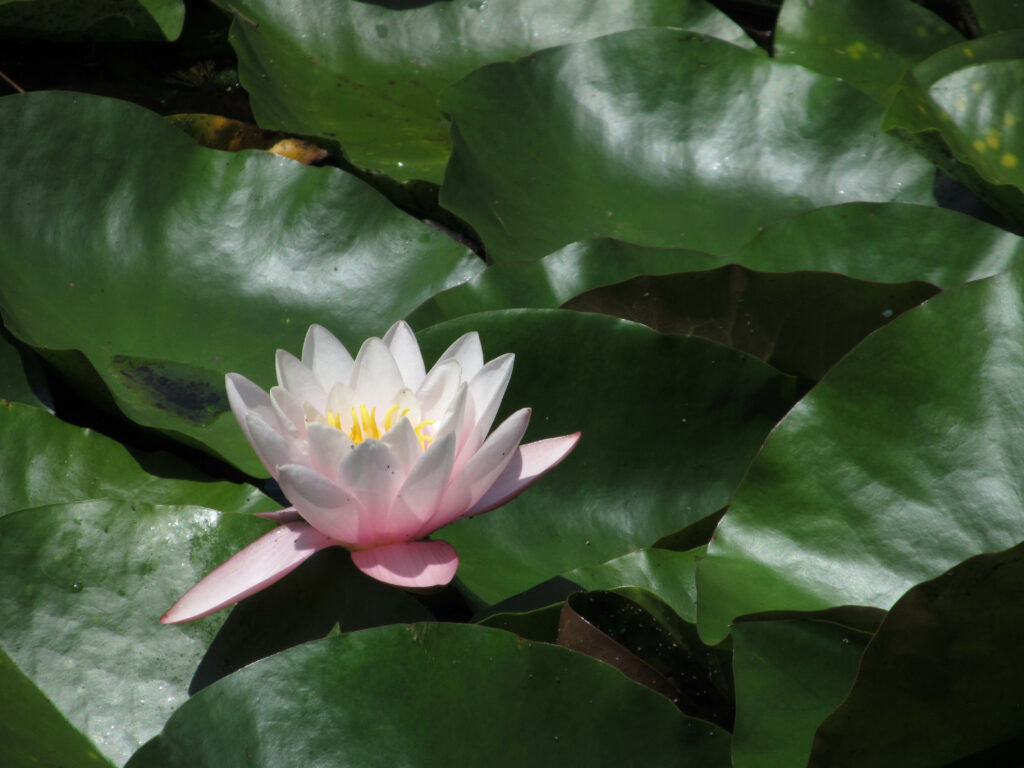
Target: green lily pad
pixel 961 109
pixel 885 243
pixel 940 682
pixel 553 280
pixel 790 674
pixel 82 589
pixel 885 474
pixel 658 451
pixel 999 15
pixel 844 39
pixel 413 688
pixel 33 732
pixel 250 249
pixel 661 138
pixel 22 379
pixel 45 461
pixel 370 77
pixel 104 20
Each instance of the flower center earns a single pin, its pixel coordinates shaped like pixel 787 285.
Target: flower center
pixel 365 425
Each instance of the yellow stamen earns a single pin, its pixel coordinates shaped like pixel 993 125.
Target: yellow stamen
pixel 366 427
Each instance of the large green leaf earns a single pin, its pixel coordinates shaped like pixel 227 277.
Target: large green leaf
pixel 369 76
pixel 430 695
pixel 168 264
pixel 661 138
pixel 82 588
pixel 941 680
pixel 790 674
pixel 33 732
pixel 551 281
pixel 844 38
pixel 93 19
pixel 998 15
pixel 21 377
pixel 886 243
pixel 45 461
pixel 659 449
pixel 905 459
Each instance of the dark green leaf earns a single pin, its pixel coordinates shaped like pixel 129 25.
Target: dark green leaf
pixel 370 76
pixel 790 674
pixel 941 680
pixel 250 249
pixel 658 451
pixel 412 691
pixel 905 459
pixel 661 138
pixel 21 377
pixel 998 15
pixel 92 20
pixel 799 322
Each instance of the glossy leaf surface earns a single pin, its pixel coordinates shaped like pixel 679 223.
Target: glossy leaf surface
pixel 278 246
pixel 661 138
pixel 884 475
pixel 370 77
pixel 397 683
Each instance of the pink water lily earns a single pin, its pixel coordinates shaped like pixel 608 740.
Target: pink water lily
pixel 375 453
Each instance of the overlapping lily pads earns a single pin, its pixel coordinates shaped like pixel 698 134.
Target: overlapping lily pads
pixel 166 286
pixel 661 138
pixel 658 451
pixel 370 77
pixel 885 474
pixel 427 677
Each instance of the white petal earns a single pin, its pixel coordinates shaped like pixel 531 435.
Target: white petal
pixel 326 357
pixel 466 349
pixel 439 388
pixel 375 377
pixel 419 496
pixel 406 351
pixel 341 401
pixel 325 506
pixel 480 472
pixel 299 380
pixel 274 448
pixel 402 440
pixel 289 412
pixel 244 396
pixel 268 559
pixel 458 419
pixel 530 463
pixel 327 447
pixel 486 390
pixel 370 473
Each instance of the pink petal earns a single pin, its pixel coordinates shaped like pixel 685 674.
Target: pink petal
pixel 299 380
pixel 530 463
pixel 438 388
pixel 330 509
pixel 485 391
pixel 411 565
pixel 418 498
pixel 286 515
pixel 268 559
pixel 245 397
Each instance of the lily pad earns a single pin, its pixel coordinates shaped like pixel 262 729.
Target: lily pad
pixel 370 76
pixel 101 195
pixel 103 20
pixel 544 705
pixel 884 475
pixel 661 138
pixel 21 376
pixel 940 682
pixel 658 451
pixel 999 15
pixel 844 39
pixel 94 577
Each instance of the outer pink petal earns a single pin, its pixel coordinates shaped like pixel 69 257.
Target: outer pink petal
pixel 286 515
pixel 268 559
pixel 530 463
pixel 411 565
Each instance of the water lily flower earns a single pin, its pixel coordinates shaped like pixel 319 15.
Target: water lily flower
pixel 375 454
